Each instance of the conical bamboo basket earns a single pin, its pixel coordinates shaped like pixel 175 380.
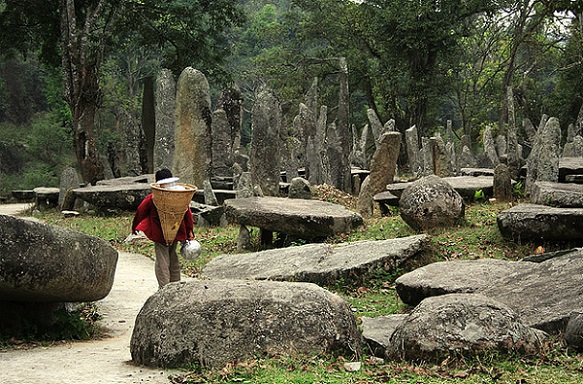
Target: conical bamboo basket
pixel 171 205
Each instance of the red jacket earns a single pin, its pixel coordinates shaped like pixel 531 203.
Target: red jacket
pixel 146 220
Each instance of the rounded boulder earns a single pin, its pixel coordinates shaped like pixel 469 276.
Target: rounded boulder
pixel 431 202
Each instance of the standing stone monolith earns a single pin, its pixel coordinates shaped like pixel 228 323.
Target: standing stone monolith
pixel 342 178
pixel 502 183
pixel 222 152
pixel 132 142
pixel 69 180
pixel 231 101
pixel 512 149
pixel 547 168
pixel 490 147
pixel 412 140
pixel 441 163
pixel 192 154
pixel 426 157
pixel 375 125
pixel 382 171
pixel 265 158
pixel 165 105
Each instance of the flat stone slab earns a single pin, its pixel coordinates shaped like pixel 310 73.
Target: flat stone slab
pixel 125 197
pixel 477 172
pixel 528 222
pixel 466 186
pixel 543 294
pixel 306 219
pixel 318 263
pixel 563 195
pixel 460 276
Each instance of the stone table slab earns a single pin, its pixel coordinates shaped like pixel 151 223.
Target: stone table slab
pixel 306 219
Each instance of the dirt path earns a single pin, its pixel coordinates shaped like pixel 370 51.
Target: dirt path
pixel 97 361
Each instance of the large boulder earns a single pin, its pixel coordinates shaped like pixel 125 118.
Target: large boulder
pixel 43 263
pixel 210 323
pixel 525 222
pixel 462 323
pixel 429 203
pixel 322 264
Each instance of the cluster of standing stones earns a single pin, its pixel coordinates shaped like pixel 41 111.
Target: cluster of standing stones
pixel 274 301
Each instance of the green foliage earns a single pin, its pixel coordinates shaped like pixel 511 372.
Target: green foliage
pixel 479 195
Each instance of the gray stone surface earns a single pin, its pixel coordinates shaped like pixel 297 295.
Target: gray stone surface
pixel 466 186
pixel 69 180
pixel 192 135
pixel 211 323
pixel 526 222
pixel 165 105
pixel 43 263
pixel 319 263
pixel 124 197
pixel 430 203
pixel 543 294
pixel 264 162
pixel 307 219
pixel 464 324
pixel 300 189
pixel 557 194
pixel 376 332
pixel 458 276
pixel 382 170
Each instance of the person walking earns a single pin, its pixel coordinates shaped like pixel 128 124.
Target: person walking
pixel 146 220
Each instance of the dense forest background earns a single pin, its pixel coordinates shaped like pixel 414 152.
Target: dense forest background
pixel 77 81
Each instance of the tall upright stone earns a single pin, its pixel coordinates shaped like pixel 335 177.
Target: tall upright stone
pixel 490 147
pixel 412 140
pixel 375 125
pixel 321 127
pixel 382 171
pixel 132 142
pixel 367 146
pixel 342 179
pixel 502 183
pixel 448 131
pixel 547 168
pixel 222 151
pixel 231 101
pixel 513 151
pixel 426 157
pixel 467 159
pixel 310 144
pixel 451 157
pixel 441 162
pixel 149 123
pixel 312 96
pixel 574 148
pixel 529 129
pixel 69 180
pixel 165 105
pixel 192 154
pixel 265 157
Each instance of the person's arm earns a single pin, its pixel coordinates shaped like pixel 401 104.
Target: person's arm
pixel 142 212
pixel 189 224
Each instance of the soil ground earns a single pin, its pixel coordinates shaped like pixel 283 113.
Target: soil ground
pixel 106 360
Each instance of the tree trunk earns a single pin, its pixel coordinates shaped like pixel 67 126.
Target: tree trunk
pixel 81 56
pixel 149 122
